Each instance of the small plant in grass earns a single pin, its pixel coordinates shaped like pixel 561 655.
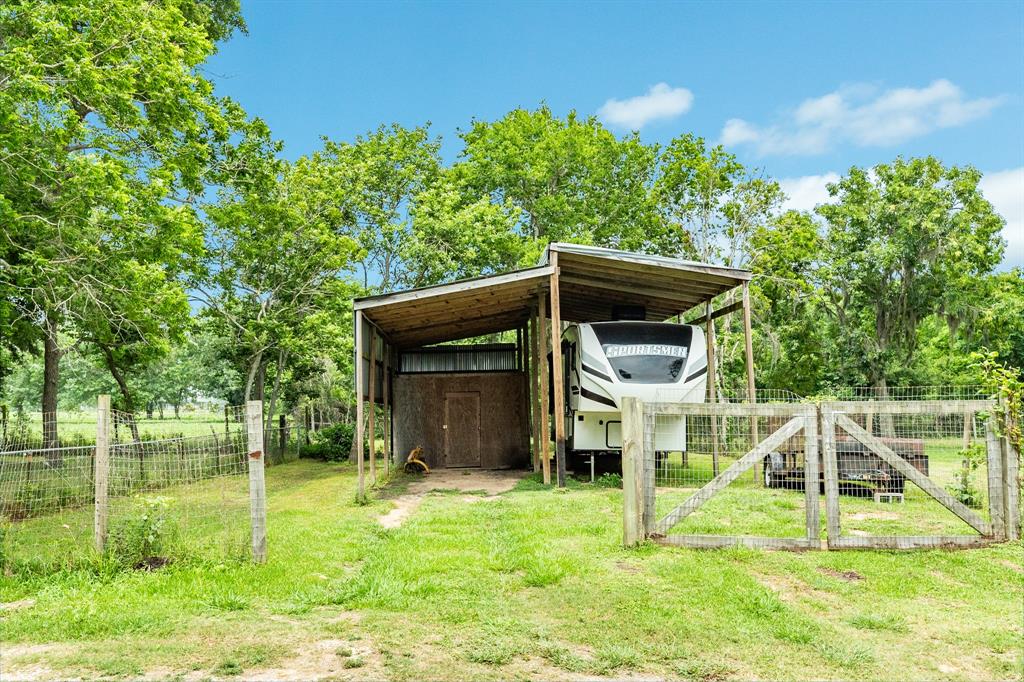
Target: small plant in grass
pixel 608 481
pixel 871 621
pixel 228 668
pixel 964 487
pixel 142 534
pixel 353 662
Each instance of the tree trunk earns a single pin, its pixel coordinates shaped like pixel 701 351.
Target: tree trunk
pixel 254 366
pixel 282 358
pixel 176 406
pixel 51 377
pixel 885 421
pixel 160 407
pixel 126 394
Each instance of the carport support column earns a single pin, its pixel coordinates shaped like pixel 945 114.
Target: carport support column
pixel 709 337
pixel 748 343
pixel 372 427
pixel 556 370
pixel 358 317
pixel 534 398
pixel 545 425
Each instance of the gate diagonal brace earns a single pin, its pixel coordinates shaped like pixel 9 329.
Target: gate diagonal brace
pixel 695 501
pixel 910 473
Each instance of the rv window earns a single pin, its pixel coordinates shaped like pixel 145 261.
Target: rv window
pixel 648 353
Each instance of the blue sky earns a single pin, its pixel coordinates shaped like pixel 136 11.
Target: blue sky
pixel 802 90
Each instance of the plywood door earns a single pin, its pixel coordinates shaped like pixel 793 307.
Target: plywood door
pixel 462 429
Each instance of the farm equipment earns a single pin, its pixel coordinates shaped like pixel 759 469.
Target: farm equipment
pixel 860 470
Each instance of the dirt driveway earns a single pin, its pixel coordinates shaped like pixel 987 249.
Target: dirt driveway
pixel 475 481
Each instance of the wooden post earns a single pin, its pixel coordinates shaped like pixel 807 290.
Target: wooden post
pixel 1011 487
pixel 372 426
pixel 632 471
pixel 831 469
pixel 528 380
pixel 709 338
pixel 996 486
pixel 968 422
pixel 257 486
pixel 545 426
pixel 533 376
pixel 811 478
pixel 387 409
pixel 748 342
pixel 101 476
pixel 282 434
pixel 869 418
pixel 556 370
pixel 360 483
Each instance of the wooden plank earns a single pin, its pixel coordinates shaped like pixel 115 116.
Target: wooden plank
pixel 727 541
pixel 447 290
pixel 644 263
pixel 748 345
pixel 360 482
pixel 387 411
pixel 101 473
pixel 831 468
pixel 719 483
pixel 632 471
pixel 932 407
pixel 996 487
pixel 534 377
pixel 913 475
pixel 257 484
pixel 556 369
pixel 650 429
pixel 732 409
pixel 372 417
pixel 910 542
pixel 811 479
pixel 545 425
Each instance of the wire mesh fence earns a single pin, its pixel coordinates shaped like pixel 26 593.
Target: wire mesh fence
pixel 892 473
pixel 170 498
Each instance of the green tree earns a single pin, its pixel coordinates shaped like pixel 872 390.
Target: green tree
pixel 107 128
pixel 903 241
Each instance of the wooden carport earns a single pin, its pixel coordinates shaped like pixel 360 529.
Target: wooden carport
pixel 572 283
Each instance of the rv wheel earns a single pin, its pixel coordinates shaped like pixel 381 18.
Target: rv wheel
pixel 770 480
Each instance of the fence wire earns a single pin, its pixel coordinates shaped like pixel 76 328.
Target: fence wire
pixel 171 498
pixel 876 498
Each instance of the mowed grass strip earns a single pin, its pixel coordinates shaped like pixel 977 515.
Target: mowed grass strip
pixel 531 583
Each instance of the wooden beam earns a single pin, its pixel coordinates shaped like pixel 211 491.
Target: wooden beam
pixel 632 471
pixel 372 391
pixel 556 370
pixel 709 339
pixel 726 541
pixel 533 377
pixel 748 343
pixel 545 426
pixel 360 483
pixel 447 290
pixel 257 481
pixel 101 473
pixel 831 469
pixel 387 409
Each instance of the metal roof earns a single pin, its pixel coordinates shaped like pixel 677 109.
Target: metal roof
pixel 591 280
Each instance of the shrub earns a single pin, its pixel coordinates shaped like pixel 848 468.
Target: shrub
pixel 142 534
pixel 608 481
pixel 963 486
pixel 333 443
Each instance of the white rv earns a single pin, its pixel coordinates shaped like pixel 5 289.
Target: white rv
pixel 604 362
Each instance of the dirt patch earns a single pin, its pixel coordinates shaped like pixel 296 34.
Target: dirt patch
pixel 848 576
pixel 1012 566
pixel 490 483
pixel 31 671
pixel 327 658
pixel 876 516
pixel 627 567
pixel 15 605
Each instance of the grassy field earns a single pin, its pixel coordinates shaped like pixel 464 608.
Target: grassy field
pixel 532 583
pixel 79 427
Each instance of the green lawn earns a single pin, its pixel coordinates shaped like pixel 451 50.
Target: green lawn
pixel 533 583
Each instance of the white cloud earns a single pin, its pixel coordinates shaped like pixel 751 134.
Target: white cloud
pixel 806 192
pixel 861 115
pixel 1005 189
pixel 660 102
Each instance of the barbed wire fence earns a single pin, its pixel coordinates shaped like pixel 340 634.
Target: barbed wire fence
pixel 140 502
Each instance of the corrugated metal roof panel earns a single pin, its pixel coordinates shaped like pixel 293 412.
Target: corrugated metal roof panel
pixel 466 358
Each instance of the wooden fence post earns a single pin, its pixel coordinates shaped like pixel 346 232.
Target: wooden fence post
pixel 830 469
pixel 996 485
pixel 1011 489
pixel 632 471
pixel 101 478
pixel 257 486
